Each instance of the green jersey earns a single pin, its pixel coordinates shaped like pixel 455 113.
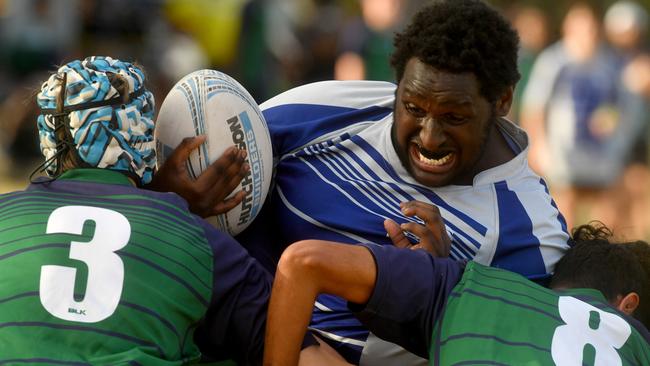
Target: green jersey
pixel 488 316
pixel 106 273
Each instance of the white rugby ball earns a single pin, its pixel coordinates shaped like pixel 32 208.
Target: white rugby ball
pixel 211 103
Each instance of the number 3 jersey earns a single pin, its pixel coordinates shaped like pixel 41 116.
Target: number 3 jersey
pixel 480 315
pixel 96 271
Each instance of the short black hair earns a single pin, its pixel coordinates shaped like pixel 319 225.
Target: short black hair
pixel 462 36
pixel 596 262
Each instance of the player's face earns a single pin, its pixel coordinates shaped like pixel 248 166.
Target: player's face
pixel 441 124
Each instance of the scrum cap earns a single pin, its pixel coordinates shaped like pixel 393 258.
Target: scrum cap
pixel 99 110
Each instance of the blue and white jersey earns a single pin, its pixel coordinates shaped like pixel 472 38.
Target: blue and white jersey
pixel 338 177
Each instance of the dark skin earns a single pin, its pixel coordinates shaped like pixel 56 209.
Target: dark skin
pixel 444 133
pixel 207 194
pixel 438 114
pixel 444 130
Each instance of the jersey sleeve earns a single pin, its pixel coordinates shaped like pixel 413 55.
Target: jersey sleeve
pixel 314 112
pixel 411 290
pixel 235 322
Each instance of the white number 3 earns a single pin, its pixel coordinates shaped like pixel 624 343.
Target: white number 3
pixel 105 268
pixel 570 339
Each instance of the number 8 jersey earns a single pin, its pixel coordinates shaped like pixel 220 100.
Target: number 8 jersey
pixel 96 271
pixel 481 315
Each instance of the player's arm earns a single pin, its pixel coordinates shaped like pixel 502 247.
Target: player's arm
pixel 398 294
pixel 307 269
pixel 233 326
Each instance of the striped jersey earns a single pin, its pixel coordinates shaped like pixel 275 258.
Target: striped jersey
pixel 98 272
pixel 338 177
pixel 480 315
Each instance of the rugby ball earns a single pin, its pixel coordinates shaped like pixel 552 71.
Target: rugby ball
pixel 211 103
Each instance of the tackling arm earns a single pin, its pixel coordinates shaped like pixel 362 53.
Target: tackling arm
pixel 307 269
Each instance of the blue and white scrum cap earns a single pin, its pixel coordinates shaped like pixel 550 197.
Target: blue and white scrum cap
pixel 99 110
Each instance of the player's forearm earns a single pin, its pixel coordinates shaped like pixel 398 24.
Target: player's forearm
pixel 290 308
pixel 307 269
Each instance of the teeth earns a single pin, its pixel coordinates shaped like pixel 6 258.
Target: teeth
pixel 436 162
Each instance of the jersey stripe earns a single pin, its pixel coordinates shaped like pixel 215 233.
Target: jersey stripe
pixel 514 219
pixel 176 262
pixel 80 328
pixel 33 248
pixel 197 261
pixel 366 187
pixel 16 297
pixel 506 301
pixel 307 218
pixel 167 273
pixel 173 225
pixel 518 294
pixel 149 263
pixel 338 338
pixel 432 196
pixel 560 217
pixel 41 360
pixel 131 305
pixel 493 338
pixel 334 119
pixel 154 314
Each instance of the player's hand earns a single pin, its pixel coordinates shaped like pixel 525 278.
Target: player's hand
pixel 433 234
pixel 207 194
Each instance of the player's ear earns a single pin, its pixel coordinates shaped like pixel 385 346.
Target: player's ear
pixel 503 103
pixel 628 303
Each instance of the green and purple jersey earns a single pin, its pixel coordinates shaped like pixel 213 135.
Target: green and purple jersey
pixel 96 271
pixel 456 314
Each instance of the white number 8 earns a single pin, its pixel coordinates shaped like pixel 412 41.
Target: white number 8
pixel 105 268
pixel 570 339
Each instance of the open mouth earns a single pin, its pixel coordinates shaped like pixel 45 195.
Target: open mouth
pixel 435 161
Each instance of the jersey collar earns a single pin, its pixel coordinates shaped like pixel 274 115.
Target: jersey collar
pixel 587 292
pixel 96 175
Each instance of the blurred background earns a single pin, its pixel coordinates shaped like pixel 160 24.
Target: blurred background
pixel 583 96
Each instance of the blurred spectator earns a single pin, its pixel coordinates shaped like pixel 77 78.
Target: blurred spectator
pixel 626 25
pixel 572 109
pixel 285 43
pixel 365 42
pixel 531 24
pixel 349 66
pixel 214 24
pixel 36 35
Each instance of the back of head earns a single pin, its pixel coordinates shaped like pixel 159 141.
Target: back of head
pixel 96 113
pixel 581 31
pixel 595 262
pixel 462 36
pixel 625 24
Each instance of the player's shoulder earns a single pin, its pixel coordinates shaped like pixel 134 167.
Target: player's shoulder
pixel 350 94
pixel 555 54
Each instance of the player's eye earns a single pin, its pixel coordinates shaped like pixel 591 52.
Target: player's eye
pixel 414 110
pixel 454 119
